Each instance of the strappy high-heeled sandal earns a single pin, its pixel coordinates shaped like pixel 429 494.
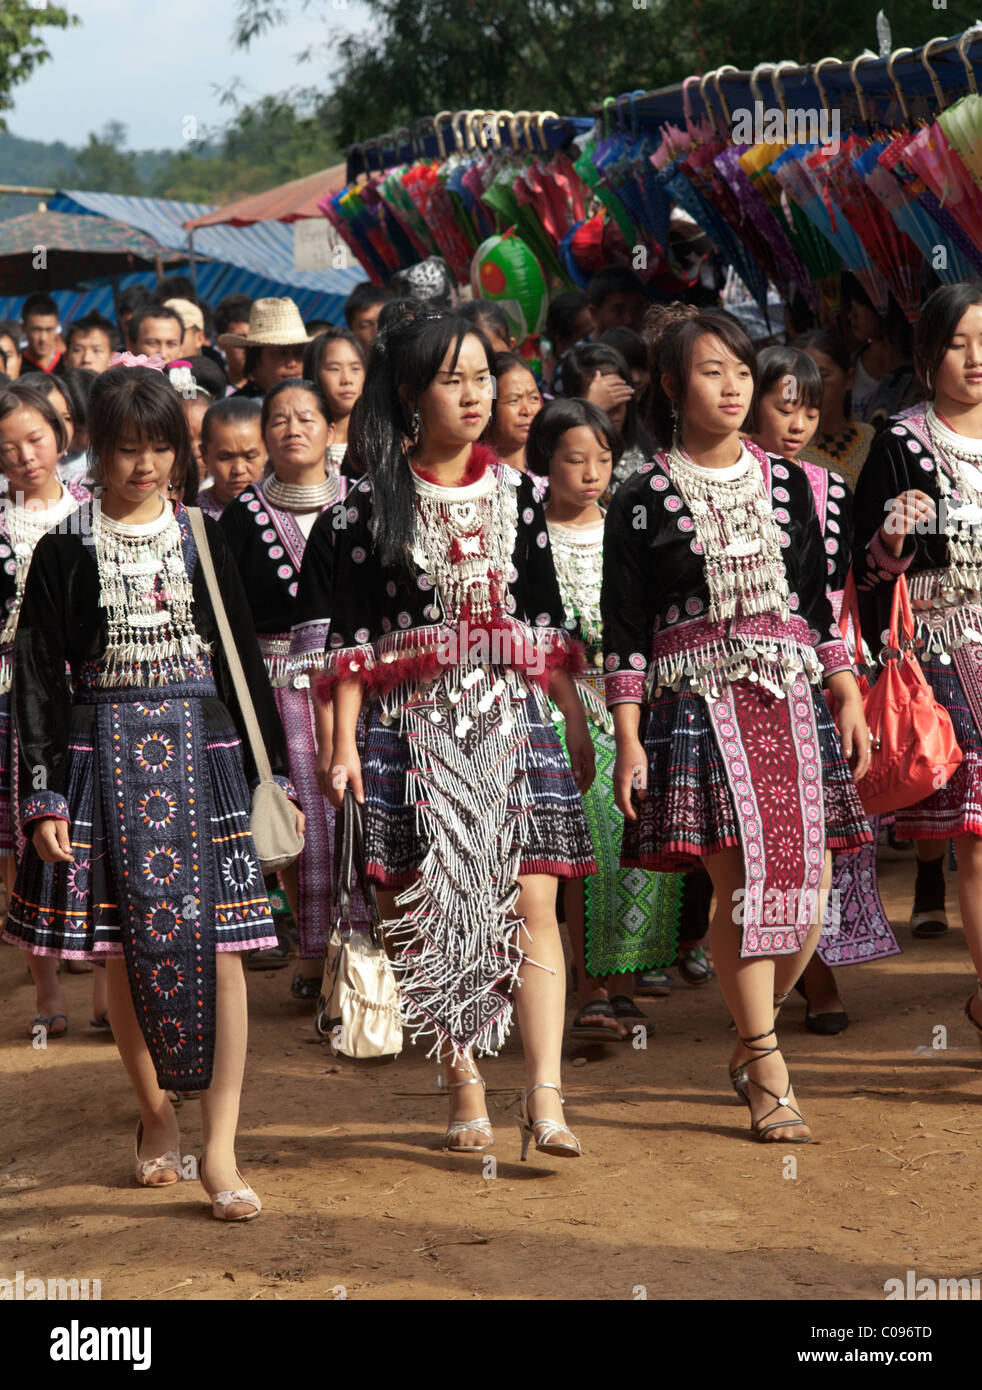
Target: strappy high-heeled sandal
pixel 546 1142
pixel 739 1078
pixel 482 1124
pixel 146 1168
pixel 968 1011
pixel 782 1100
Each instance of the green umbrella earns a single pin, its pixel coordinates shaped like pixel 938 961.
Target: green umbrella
pixel 60 250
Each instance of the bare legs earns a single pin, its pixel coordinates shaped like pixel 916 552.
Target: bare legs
pixel 968 852
pixel 749 986
pixel 219 1104
pixel 160 1131
pixel 540 1003
pixel 589 989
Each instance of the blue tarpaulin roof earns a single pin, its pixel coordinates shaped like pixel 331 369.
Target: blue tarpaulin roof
pixel 256 260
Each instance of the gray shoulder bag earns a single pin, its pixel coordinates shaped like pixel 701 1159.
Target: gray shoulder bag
pixel 273 820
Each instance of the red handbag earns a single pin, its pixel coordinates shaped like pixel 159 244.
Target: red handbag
pixel 914 749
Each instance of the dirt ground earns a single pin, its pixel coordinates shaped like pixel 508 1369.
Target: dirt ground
pixel 671 1199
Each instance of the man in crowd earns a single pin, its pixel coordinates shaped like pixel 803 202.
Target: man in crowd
pixel 232 318
pixel 40 323
pixel 274 342
pixel 618 298
pixel 10 353
pixel 194 326
pixel 127 303
pixel 361 311
pixel 156 329
pixel 88 343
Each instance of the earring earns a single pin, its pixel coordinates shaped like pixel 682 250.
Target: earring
pixel 927 380
pixel 415 425
pixel 675 425
pixel 170 487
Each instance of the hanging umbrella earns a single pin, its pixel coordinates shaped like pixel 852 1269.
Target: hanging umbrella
pixel 59 250
pixel 962 124
pixel 895 255
pixel 911 218
pixel 940 182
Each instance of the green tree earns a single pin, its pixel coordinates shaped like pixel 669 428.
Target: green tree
pixel 565 55
pixel 103 164
pixel 264 144
pixel 22 47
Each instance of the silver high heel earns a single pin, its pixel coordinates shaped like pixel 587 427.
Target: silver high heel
pixel 482 1125
pixel 546 1143
pixel 740 1079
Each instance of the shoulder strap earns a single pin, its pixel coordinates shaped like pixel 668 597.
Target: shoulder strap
pixel 259 754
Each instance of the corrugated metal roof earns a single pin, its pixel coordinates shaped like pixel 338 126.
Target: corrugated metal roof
pixel 215 281
pixel 265 248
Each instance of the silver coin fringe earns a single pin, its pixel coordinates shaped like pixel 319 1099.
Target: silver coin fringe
pixel 459 936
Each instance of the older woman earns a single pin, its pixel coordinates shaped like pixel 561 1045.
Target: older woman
pixel 267 527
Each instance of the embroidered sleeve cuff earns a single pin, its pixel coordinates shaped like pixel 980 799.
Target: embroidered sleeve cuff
pixel 283 782
pixel 307 644
pixel 344 663
pixel 882 559
pixel 834 657
pixel 41 804
pixel 623 688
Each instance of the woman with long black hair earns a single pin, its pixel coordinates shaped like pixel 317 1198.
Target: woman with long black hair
pixel 918 513
pixel 447 621
pixel 714 588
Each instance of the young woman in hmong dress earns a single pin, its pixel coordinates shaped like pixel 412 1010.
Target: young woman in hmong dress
pixel 720 586
pixel 266 528
pixel 785 412
pixel 32 436
pixel 133 780
pixel 840 444
pixel 919 513
pixel 446 619
pixel 335 362
pixel 233 451
pixel 620 921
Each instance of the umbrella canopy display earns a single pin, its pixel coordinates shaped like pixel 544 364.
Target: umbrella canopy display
pixel 287 203
pixel 58 250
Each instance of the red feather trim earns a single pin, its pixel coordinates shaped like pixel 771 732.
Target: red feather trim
pixel 481 458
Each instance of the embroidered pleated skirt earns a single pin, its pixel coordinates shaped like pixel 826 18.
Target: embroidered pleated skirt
pixel 689 809
pixel 555 837
pixel 7 836
pixel 632 917
pixel 956 809
pixel 178 810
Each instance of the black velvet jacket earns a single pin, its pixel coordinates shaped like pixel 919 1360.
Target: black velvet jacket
pixel 900 458
pixel 372 604
pixel 62 624
pixel 654 579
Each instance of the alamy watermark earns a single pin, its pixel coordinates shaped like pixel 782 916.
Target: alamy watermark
pixel 25 1288
pixel 769 125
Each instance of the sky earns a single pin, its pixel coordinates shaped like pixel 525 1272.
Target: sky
pixel 154 66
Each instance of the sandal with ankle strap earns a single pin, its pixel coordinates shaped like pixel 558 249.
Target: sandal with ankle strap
pixel 969 1015
pixel 739 1078
pixel 782 1100
pixel 546 1142
pixel 482 1125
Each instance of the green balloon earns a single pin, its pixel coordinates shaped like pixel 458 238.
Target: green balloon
pixel 505 270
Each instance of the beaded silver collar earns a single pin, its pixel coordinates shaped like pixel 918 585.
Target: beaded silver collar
pixel 298 497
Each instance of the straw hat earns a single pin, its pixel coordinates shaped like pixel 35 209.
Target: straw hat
pixel 272 323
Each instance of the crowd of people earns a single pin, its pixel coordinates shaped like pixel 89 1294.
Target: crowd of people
pixel 661 742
